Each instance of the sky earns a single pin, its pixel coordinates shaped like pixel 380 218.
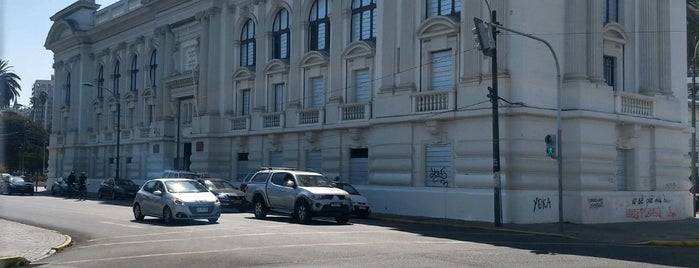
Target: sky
pixel 24 25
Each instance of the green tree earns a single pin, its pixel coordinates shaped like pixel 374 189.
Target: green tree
pixel 9 84
pixel 692 27
pixel 23 143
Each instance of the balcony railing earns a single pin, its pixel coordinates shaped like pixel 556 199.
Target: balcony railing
pixel 126 134
pixel 109 136
pixel 272 120
pixel 92 138
pixel 310 116
pixel 355 111
pixel 240 123
pixel 144 133
pixel 433 100
pixel 634 104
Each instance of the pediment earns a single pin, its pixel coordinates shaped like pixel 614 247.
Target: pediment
pixel 438 25
pixel 276 66
pixel 60 29
pixel 314 58
pixel 359 49
pixel 615 32
pixel 243 73
pixel 148 93
pixel 130 96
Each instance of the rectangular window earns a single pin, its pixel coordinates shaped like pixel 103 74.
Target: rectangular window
pixel 245 102
pixel 276 101
pixel 359 166
pixel 441 70
pixel 611 11
pixel 317 92
pixel 610 71
pixel 439 165
pixel 149 114
pixel 187 113
pixel 242 165
pixel 622 156
pixel 314 161
pixel 362 86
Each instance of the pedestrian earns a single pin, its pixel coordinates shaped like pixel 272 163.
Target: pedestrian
pixel 82 183
pixel 71 183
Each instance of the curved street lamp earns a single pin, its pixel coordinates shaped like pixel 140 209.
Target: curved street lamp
pixel 118 125
pixel 694 126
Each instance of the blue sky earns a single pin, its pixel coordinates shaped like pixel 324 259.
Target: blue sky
pixel 24 25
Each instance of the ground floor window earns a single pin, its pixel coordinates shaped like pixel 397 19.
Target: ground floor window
pixel 622 157
pixel 314 161
pixel 275 159
pixel 439 165
pixel 359 166
pixel 242 165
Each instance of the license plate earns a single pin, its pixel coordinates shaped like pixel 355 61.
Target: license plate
pixel 202 210
pixel 361 207
pixel 335 204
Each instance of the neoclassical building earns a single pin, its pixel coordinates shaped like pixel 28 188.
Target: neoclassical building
pixel 388 95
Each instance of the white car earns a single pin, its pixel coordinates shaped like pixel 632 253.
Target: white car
pixel 176 199
pixel 360 204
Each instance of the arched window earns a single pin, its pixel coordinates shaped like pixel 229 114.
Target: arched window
pixel 67 97
pixel 363 19
pixel 247 44
pixel 115 82
pixel 153 67
pixel 134 73
pixel 319 26
pixel 100 82
pixel 443 8
pixel 280 35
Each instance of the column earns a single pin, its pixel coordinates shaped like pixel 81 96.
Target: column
pixel 575 67
pixel 213 61
pixel 595 42
pixel 648 38
pixel 663 44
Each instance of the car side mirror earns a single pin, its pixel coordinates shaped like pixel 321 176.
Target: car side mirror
pixel 290 183
pixel 158 192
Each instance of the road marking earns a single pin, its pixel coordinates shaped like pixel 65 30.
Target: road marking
pixel 122 225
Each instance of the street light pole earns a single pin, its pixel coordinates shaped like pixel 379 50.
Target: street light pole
pixel 118 125
pixel 694 127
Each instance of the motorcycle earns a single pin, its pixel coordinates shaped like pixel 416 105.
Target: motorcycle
pixel 61 188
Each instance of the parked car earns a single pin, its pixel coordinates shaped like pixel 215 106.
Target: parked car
pixel 173 199
pixel 117 188
pixel 360 204
pixel 227 194
pixel 61 187
pixel 180 174
pixel 245 181
pixel 16 185
pixel 300 194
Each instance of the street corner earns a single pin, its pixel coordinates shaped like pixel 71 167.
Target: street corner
pixel 13 262
pixel 68 242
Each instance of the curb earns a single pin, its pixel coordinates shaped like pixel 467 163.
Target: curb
pixel 670 243
pixel 13 262
pixel 65 244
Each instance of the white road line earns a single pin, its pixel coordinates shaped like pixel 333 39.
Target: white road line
pixel 122 225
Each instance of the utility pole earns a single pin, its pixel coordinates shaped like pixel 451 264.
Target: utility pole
pixel 487 42
pixel 694 128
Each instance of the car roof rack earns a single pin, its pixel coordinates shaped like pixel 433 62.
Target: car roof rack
pixel 276 168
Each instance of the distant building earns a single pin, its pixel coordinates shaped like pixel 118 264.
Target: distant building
pixel 389 96
pixel 42 95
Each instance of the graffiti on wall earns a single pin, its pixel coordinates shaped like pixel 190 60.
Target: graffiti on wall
pixel 643 206
pixel 595 202
pixel 541 204
pixel 438 176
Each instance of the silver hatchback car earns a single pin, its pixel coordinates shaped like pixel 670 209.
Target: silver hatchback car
pixel 176 198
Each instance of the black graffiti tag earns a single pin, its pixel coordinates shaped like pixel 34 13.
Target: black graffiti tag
pixel 541 203
pixel 439 176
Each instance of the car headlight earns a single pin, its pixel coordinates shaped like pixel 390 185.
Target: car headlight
pixel 177 201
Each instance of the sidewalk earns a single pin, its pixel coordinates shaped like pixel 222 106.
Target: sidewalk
pixel 19 241
pixel 660 233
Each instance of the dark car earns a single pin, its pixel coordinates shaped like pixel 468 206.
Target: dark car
pixel 229 196
pixel 245 181
pixel 16 185
pixel 360 204
pixel 117 188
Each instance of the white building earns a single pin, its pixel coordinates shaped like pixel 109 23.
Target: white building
pixel 42 94
pixel 388 95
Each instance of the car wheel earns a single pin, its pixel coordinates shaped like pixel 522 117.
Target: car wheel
pixel 31 193
pixel 137 214
pixel 342 219
pixel 100 194
pixel 259 209
pixel 54 191
pixel 167 215
pixel 302 213
pixel 213 220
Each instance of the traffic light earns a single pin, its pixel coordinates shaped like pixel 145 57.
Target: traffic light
pixel 551 146
pixel 484 38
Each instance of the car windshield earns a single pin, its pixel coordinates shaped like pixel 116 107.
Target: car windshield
pixel 220 185
pixel 124 182
pixel 348 188
pixel 312 181
pixel 16 179
pixel 185 187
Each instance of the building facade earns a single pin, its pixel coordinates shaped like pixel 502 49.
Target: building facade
pixel 42 96
pixel 390 96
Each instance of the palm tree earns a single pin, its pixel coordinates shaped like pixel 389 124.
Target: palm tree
pixel 9 85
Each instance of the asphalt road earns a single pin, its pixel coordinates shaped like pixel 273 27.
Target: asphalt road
pixel 106 235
